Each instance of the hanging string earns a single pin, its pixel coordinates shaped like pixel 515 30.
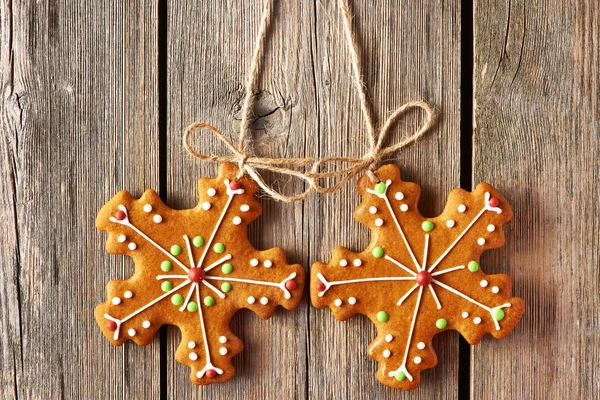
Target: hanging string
pixel 367 163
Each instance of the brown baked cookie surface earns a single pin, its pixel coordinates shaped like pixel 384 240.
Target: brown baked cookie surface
pixel 420 276
pixel 193 269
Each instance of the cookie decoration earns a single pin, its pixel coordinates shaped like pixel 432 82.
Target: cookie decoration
pixel 420 276
pixel 194 269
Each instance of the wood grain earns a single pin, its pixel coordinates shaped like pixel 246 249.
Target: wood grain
pixel 537 138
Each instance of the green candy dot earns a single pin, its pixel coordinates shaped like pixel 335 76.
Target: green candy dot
pixel 400 376
pixel 219 248
pixel 226 287
pixel 227 268
pixel 498 314
pixel 209 300
pixel 382 316
pixel 380 188
pixel 198 241
pixel 441 323
pixel 473 266
pixel 166 286
pixel 177 299
pixel 166 266
pixel 176 249
pixel 192 306
pixel 427 226
pixel 378 252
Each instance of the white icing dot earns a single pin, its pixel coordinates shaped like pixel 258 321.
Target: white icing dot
pixel 378 222
pixel 116 301
pixel 146 324
pixel 352 300
pixel 491 228
pixel 237 220
pixel 387 353
pixel 223 339
pixel 481 241
pixel 193 356
pixel 357 263
pixel 420 345
pixel 132 246
pixel 157 218
pixel 244 208
pixel 338 302
pixel 343 262
pixel 495 289
pixel 199 374
pixel 268 263
pixel 399 195
pixel 389 338
pixel 462 208
pixel 223 351
pixel 206 205
pixel 128 294
pixel 373 210
pixel 122 238
pixel 211 192
pixel 131 332
pixel 483 283
pixel 254 262
pixel 251 300
pixel 465 314
pixel 264 301
pixel 404 208
pixel 417 360
pixel 450 223
pixel 148 208
pixel 191 345
pixel 477 320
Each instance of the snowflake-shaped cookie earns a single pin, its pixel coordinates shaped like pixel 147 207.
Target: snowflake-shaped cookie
pixel 193 269
pixel 420 276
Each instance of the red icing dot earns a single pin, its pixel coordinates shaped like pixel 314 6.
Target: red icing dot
pixel 494 202
pixel 234 185
pixel 111 325
pixel 291 284
pixel 211 373
pixel 320 286
pixel 120 215
pixel 196 274
pixel 424 278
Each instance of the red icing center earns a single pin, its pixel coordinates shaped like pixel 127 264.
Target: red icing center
pixel 196 274
pixel 111 326
pixel 211 373
pixel 234 185
pixel 494 202
pixel 424 278
pixel 120 215
pixel 320 286
pixel 291 284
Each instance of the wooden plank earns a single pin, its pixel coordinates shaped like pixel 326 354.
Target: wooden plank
pixel 209 51
pixel 65 124
pixel 410 51
pixel 536 77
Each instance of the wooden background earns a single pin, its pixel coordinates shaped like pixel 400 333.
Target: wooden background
pixel 96 94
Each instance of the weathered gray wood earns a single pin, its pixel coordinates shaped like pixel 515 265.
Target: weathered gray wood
pixel 209 51
pixel 410 51
pixel 66 125
pixel 537 138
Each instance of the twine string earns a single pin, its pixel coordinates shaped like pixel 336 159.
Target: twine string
pixel 250 164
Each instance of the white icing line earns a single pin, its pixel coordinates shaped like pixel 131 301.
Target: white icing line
pixel 217 263
pixel 280 285
pixel 437 301
pixel 142 234
pixel 412 255
pixel 406 295
pixel 214 289
pixel 424 266
pixel 189 248
pixel 208 365
pixel 159 277
pixel 187 299
pixel 350 281
pixel 445 271
pixel 400 265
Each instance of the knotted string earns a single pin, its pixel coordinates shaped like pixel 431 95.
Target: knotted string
pixel 250 164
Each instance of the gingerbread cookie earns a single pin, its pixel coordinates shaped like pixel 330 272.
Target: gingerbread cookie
pixel 193 269
pixel 420 276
